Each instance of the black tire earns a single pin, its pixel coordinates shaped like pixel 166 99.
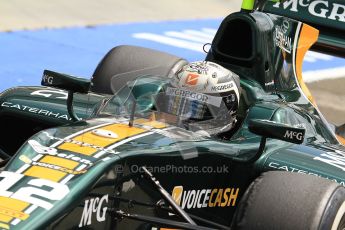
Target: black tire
pixel 283 200
pixel 125 63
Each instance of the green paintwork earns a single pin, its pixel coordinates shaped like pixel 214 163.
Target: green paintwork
pixel 36 101
pixel 268 96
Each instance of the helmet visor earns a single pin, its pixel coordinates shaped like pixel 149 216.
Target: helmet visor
pixel 197 110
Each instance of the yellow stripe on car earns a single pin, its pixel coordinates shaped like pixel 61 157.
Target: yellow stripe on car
pixel 122 131
pixel 4 226
pixel 12 208
pixel 60 162
pixel 87 143
pixel 45 173
pixel 152 123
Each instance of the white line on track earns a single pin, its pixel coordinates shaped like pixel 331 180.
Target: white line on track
pixel 187 36
pixel 326 74
pixel 170 41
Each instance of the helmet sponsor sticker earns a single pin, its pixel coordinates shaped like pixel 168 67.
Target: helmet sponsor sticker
pixel 200 67
pixel 212 100
pixel 224 87
pixel 192 79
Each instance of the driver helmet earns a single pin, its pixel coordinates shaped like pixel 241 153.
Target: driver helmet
pixel 204 96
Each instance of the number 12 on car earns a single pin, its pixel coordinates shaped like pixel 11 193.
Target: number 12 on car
pixel 35 187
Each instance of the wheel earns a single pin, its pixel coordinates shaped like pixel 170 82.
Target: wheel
pixel 124 63
pixel 284 200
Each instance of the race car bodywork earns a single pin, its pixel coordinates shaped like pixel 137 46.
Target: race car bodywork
pixel 327 16
pixel 123 166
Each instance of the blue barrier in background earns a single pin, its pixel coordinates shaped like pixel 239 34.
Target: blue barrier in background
pixel 25 54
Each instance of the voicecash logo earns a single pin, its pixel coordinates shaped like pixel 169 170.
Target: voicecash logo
pixel 204 198
pixel 318 8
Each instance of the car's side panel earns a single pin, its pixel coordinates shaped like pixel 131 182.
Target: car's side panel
pixel 27 110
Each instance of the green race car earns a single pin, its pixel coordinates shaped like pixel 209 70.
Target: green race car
pixel 102 154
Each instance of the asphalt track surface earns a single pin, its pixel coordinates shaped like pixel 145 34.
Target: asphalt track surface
pixel 37 14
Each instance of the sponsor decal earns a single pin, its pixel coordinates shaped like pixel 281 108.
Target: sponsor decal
pixel 80 143
pixel 293 135
pixel 104 133
pixel 222 87
pixel 216 101
pixel 268 84
pixel 26 160
pixel 47 79
pixel 51 93
pixel 94 206
pixel 99 146
pixel 282 40
pixel 192 79
pixel 199 67
pixel 284 26
pixel 35 110
pixel 54 152
pixel 205 198
pixel 288 168
pixel 13 213
pixel 39 192
pixel 318 8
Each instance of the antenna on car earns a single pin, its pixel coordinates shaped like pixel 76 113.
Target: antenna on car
pixel 250 5
pixel 131 117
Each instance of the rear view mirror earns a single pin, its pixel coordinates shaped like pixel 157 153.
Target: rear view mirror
pixel 69 83
pixel 277 130
pixel 66 82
